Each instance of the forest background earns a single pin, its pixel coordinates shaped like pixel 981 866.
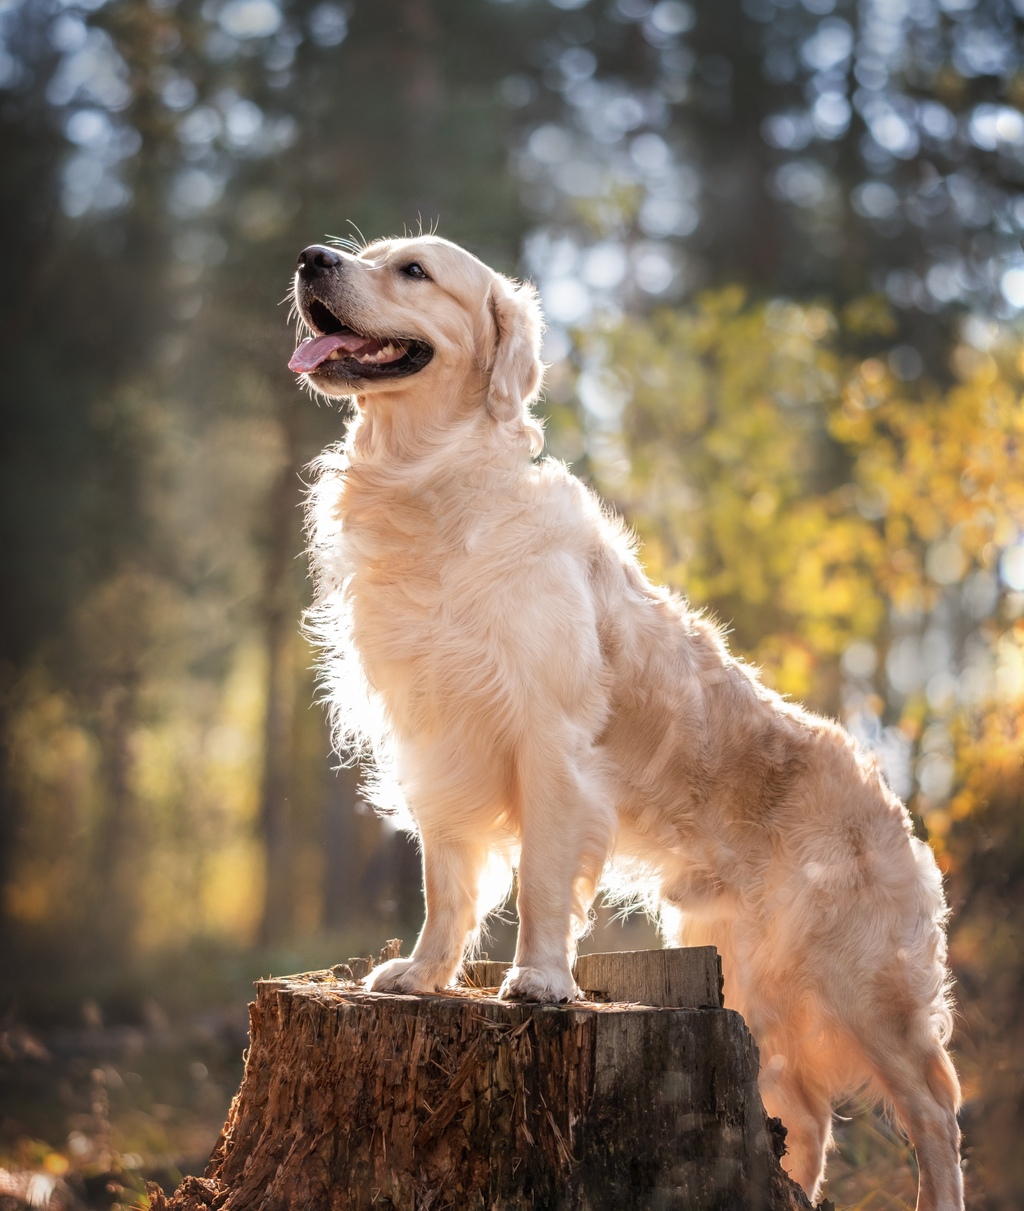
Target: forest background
pixel 778 244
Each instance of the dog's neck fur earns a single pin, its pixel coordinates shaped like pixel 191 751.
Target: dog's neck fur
pixel 396 439
pixel 396 427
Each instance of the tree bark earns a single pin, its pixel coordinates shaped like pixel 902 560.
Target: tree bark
pixel 355 1099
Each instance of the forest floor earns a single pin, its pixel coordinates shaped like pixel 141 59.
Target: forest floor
pixel 104 1107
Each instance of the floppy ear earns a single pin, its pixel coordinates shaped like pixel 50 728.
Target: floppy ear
pixel 517 371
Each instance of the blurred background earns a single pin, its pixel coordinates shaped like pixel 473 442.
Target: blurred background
pixel 778 243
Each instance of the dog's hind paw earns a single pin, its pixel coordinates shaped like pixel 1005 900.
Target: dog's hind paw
pixel 536 984
pixel 402 975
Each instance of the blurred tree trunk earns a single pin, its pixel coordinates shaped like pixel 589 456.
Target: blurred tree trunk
pixel 343 897
pixel 280 622
pixel 8 812
pixel 408 881
pixel 117 854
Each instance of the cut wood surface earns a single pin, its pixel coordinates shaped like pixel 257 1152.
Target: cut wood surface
pixel 680 978
pixel 354 1099
pixel 689 978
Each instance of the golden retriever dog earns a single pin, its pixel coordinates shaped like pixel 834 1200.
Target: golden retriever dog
pixel 532 702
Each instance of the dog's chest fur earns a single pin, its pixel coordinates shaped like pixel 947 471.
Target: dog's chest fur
pixel 461 599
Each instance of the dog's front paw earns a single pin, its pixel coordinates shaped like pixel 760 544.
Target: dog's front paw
pixel 401 975
pixel 536 984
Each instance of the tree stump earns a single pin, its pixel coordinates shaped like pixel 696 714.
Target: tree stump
pixel 353 1099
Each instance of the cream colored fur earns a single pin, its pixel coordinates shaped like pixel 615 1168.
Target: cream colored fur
pixel 533 702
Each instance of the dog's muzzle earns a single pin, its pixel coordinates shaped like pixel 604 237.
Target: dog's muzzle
pixel 337 349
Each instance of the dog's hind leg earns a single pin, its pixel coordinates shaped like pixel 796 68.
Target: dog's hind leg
pixel 789 1084
pixel 567 825
pixel 921 1084
pixel 790 1093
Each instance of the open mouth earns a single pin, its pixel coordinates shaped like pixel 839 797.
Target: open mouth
pixel 339 351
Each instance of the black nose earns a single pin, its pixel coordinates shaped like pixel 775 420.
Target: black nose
pixel 318 259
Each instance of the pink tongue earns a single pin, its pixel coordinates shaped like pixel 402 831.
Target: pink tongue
pixel 312 352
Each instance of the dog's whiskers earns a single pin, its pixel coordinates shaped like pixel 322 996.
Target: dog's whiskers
pixel 363 241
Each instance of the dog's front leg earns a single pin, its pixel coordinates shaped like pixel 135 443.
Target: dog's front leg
pixel 567 828
pixel 451 880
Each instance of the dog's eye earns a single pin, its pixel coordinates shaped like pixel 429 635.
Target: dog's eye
pixel 415 270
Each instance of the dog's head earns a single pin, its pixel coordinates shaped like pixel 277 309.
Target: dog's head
pixel 416 307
